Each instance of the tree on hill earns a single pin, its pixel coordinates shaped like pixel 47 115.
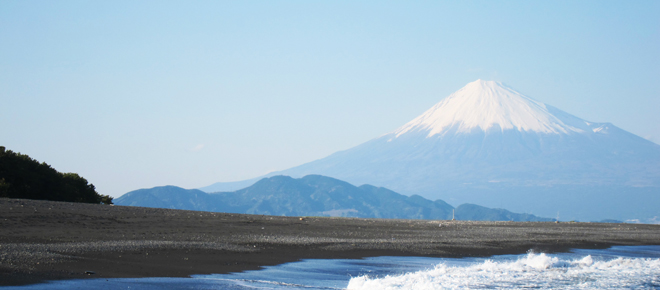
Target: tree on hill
pixel 24 177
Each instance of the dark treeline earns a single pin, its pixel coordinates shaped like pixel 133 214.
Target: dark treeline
pixel 24 177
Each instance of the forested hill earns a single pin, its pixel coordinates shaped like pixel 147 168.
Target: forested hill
pixel 315 195
pixel 24 177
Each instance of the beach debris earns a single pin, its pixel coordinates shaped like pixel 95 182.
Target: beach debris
pixel 302 219
pixel 90 272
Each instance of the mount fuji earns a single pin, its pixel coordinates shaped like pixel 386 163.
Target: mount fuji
pixel 488 144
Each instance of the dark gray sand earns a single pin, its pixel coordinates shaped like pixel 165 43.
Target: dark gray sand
pixel 43 240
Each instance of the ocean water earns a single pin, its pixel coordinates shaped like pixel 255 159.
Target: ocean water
pixel 635 267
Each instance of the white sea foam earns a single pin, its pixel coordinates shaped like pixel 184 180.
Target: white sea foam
pixel 538 271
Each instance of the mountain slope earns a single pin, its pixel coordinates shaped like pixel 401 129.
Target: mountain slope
pixel 486 133
pixel 168 197
pixel 491 145
pixel 473 212
pixel 312 195
pixel 484 105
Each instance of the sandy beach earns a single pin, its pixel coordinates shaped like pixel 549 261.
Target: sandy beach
pixel 43 240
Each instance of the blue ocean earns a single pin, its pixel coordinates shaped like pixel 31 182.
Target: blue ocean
pixel 633 267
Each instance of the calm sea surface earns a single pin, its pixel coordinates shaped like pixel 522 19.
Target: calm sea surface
pixel 615 268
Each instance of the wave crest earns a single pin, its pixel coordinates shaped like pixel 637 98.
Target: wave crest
pixel 532 270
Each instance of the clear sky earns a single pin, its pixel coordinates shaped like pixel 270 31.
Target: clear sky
pixel 136 94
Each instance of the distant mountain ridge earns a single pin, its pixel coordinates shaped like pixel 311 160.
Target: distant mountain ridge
pixel 313 195
pixel 488 144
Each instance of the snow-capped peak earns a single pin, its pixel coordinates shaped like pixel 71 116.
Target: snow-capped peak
pixel 485 104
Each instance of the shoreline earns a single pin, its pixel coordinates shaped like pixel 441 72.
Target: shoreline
pixel 45 240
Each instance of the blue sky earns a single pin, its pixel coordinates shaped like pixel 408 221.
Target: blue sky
pixel 136 94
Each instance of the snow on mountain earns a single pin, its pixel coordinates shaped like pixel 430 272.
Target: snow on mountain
pixel 490 145
pixel 485 105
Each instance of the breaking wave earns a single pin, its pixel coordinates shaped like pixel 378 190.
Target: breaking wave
pixel 538 271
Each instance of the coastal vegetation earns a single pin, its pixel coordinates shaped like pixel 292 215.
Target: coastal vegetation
pixel 24 177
